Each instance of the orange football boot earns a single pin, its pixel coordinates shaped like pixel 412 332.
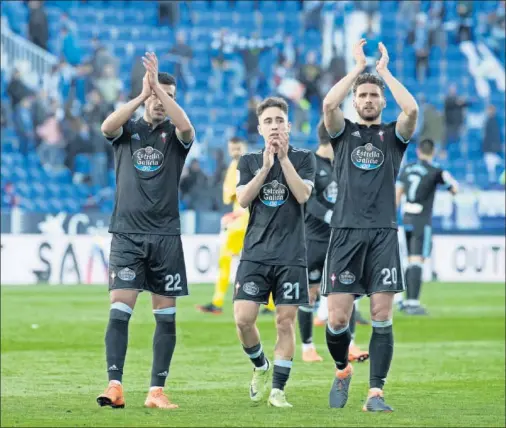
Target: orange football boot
pixel 112 396
pixel 158 400
pixel 317 322
pixel 356 354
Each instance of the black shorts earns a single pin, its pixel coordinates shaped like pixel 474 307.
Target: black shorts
pixel 418 239
pixel 255 281
pixel 363 262
pixel 153 263
pixel 316 253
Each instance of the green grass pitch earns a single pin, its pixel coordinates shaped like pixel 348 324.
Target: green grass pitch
pixel 448 368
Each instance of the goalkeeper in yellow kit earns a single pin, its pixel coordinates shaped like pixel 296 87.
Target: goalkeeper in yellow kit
pixel 233 229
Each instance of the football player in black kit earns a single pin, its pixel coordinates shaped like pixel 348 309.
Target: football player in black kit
pixel 146 249
pixel 419 181
pixel 363 255
pixel 318 216
pixel 275 183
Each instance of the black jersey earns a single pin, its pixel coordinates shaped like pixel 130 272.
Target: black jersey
pixel 275 233
pixel 420 180
pixel 366 164
pixel 321 203
pixel 148 163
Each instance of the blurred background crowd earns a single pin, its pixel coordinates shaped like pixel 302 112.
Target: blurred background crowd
pixel 67 64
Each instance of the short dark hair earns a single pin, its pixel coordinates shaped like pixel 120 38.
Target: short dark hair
pixel 426 146
pixel 237 140
pixel 166 79
pixel 272 102
pixel 323 135
pixel 369 78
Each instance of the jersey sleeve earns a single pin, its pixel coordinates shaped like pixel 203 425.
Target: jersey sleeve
pixel 174 139
pixel 186 145
pixel 244 174
pixel 307 168
pixel 337 138
pixel 446 179
pixel 125 134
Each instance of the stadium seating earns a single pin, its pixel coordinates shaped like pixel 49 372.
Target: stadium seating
pixel 129 28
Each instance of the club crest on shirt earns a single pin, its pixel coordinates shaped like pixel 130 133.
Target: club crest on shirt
pixel 273 194
pixel 163 136
pixel 367 157
pixel 148 159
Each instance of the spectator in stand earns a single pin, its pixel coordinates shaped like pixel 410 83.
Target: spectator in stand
pixel 431 123
pixel 335 71
pixel 406 14
pixel 454 118
pixel 168 12
pixel 195 188
pixel 309 75
pixel 52 148
pixel 69 48
pixel 23 124
pixel 251 58
pixel 437 35
pixel 289 51
pixel 41 107
pixel 497 30
pixel 252 120
pixel 17 90
pixel 38 28
pixel 419 38
pixel 4 121
pixel 67 22
pixel 51 83
pixel 312 14
pixel 465 22
pixel 95 110
pixel 181 54
pixel 109 85
pixel 492 144
pixel 222 60
pixel 100 58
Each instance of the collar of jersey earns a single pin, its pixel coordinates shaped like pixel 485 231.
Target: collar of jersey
pixel 143 122
pixel 375 126
pixel 276 155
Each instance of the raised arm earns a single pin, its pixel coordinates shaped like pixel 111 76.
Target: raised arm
pixel 248 186
pixel 112 127
pixel 333 116
pixel 178 117
pixel 406 122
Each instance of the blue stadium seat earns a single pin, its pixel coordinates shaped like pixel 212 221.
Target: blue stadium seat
pixel 83 164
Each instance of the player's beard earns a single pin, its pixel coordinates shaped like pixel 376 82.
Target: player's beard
pixel 157 116
pixel 370 116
